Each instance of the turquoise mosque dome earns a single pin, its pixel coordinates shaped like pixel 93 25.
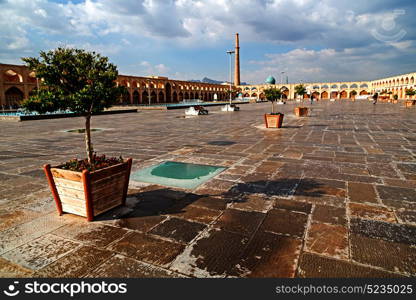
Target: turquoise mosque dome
pixel 270 80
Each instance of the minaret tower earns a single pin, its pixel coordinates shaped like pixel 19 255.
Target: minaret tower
pixel 237 61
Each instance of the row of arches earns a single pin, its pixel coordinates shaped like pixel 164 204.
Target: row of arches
pixel 395 82
pixel 172 85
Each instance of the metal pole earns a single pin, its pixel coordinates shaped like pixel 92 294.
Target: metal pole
pixel 231 71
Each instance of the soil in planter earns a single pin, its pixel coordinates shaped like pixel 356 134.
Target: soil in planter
pixel 99 162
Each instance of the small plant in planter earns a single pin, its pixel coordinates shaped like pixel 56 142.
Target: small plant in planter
pixel 353 94
pixel 301 111
pixel 82 82
pixel 273 120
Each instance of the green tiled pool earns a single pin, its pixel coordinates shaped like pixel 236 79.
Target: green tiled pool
pixel 177 174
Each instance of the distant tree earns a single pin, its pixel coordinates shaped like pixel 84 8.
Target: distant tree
pixel 272 95
pixel 76 80
pixel 300 90
pixel 410 92
pixel 354 93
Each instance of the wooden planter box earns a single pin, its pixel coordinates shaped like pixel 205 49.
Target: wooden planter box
pixel 273 121
pixel 408 104
pixel 395 101
pixel 301 111
pixel 89 194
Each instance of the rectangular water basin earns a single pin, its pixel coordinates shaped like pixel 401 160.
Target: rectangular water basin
pixel 177 174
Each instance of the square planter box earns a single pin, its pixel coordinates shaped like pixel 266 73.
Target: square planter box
pixel 273 121
pixel 395 101
pixel 301 111
pixel 89 194
pixel 408 104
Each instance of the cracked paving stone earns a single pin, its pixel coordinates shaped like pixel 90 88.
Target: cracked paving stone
pixel 328 240
pixel 361 192
pixel 377 213
pixel 40 252
pixel 120 266
pixel 314 266
pixel 396 193
pixel 215 254
pixel 399 233
pixel 269 255
pixel 285 222
pixel 148 249
pixel 178 229
pixel 293 205
pixel 329 214
pixel 395 257
pixel 239 221
pixel 76 264
pixel 93 234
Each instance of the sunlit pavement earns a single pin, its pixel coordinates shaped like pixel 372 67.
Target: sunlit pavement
pixel 330 195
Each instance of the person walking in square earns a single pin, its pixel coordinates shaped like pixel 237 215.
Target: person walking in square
pixel 375 97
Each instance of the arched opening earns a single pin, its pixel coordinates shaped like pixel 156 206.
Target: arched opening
pixel 306 96
pixel 145 97
pixel 196 96
pixel 153 97
pixel 168 92
pixel 12 76
pixel 14 96
pixel 354 86
pixel 353 94
pixel 126 98
pixel 324 95
pixel 262 96
pixel 344 95
pixel 254 95
pixel 412 80
pixel 363 93
pixel 285 93
pixel 191 96
pixel 136 97
pixel 315 95
pixel 174 97
pixel 180 96
pixel 31 78
pixel 334 95
pixel 186 96
pixel 161 97
pixel 246 95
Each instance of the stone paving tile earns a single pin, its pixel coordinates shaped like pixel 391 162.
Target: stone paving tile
pixel 312 187
pixel 23 233
pixel 119 266
pixel 285 222
pixel 387 231
pixel 197 214
pixel 329 214
pixel 10 270
pixel 395 257
pixel 239 221
pixel 139 220
pixel 396 193
pixel 203 259
pixel 93 234
pixel 382 170
pixel 328 240
pixel 253 203
pixel 361 192
pixel 406 216
pixel 40 252
pixel 76 264
pixel 314 266
pixel 178 229
pixel 293 205
pixel 269 255
pixel 9 219
pixel 377 213
pixel 216 203
pixel 147 248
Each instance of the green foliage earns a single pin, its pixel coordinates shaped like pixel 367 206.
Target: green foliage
pixel 353 93
pixel 300 90
pixel 272 94
pixel 410 92
pixel 74 79
pixel 395 97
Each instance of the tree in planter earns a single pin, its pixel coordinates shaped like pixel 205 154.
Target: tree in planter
pixel 272 95
pixel 395 97
pixel 76 80
pixel 410 92
pixel 300 90
pixel 353 94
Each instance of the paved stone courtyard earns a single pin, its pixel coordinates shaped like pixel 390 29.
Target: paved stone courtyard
pixel 330 195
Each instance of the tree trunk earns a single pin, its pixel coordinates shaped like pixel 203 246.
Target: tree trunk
pixel 88 144
pixel 272 107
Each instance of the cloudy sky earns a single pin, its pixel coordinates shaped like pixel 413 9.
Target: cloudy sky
pixel 309 40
